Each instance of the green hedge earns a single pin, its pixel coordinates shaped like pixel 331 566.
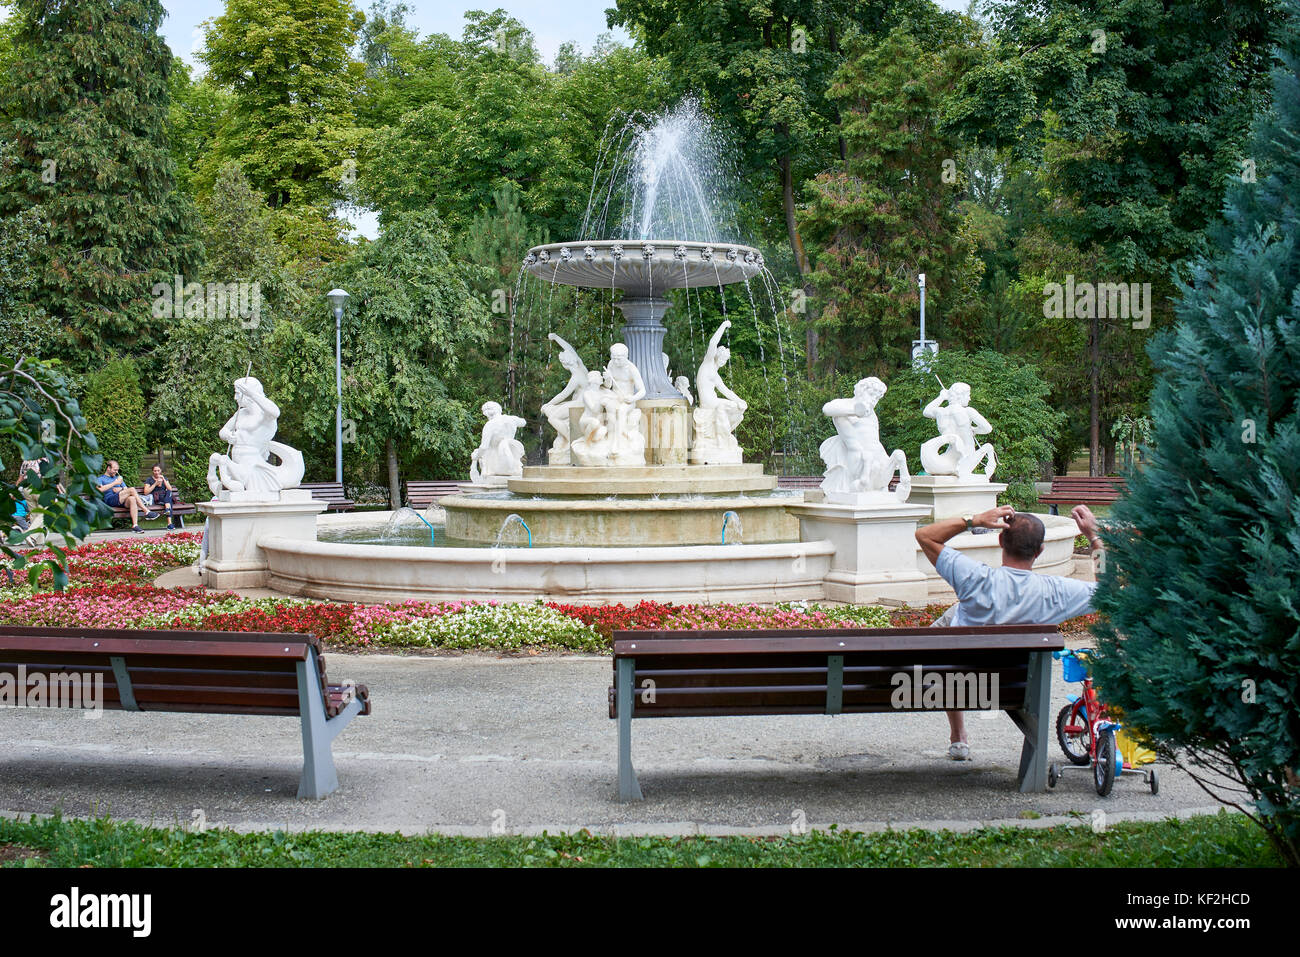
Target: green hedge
pixel 114 409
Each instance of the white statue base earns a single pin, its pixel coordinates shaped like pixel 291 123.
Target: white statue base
pixel 875 550
pixel 951 497
pixel 235 526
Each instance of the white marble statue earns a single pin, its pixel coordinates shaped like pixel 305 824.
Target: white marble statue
pixel 625 379
pixel 856 462
pixel 683 385
pixel 500 456
pixel 953 451
pixel 557 410
pixel 718 410
pixel 247 466
pixel 610 424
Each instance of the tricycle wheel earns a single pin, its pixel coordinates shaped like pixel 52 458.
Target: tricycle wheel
pixel 1103 771
pixel 1155 782
pixel 1052 775
pixel 1074 734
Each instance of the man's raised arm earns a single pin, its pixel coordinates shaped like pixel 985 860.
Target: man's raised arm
pixel 932 537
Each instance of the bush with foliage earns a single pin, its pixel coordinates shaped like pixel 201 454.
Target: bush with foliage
pixel 1200 628
pixel 40 420
pixel 114 410
pixel 1008 392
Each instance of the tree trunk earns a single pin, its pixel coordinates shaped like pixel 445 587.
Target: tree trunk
pixel 800 257
pixel 394 477
pixel 1095 465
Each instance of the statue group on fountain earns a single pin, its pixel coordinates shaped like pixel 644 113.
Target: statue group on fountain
pixel 953 451
pixel 611 426
pixel 857 465
pixel 246 466
pixel 499 456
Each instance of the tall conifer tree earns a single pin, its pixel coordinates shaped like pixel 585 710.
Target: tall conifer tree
pixel 86 117
pixel 1200 635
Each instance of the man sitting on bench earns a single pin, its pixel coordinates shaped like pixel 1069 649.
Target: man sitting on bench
pixel 117 494
pixel 1010 595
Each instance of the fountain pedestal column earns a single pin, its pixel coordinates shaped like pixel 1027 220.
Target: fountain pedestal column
pixel 951 497
pixel 875 550
pixel 643 332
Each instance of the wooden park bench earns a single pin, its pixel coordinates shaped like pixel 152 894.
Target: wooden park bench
pixel 420 495
pixel 332 493
pixel 799 481
pixel 1083 490
pixel 179 510
pixel 682 674
pixel 209 672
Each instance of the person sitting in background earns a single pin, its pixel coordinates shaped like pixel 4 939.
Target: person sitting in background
pixel 117 494
pixel 163 492
pixel 1008 595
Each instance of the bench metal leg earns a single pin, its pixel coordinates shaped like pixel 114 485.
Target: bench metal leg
pixel 319 777
pixel 1035 723
pixel 628 787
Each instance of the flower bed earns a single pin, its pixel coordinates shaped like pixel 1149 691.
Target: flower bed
pixel 109 588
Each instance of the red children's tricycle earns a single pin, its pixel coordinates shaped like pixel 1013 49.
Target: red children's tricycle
pixel 1087 733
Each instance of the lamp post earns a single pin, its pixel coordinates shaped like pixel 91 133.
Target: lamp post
pixel 338 298
pixel 921 346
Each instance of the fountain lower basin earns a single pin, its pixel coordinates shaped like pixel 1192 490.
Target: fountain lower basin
pixel 719 573
pixel 653 505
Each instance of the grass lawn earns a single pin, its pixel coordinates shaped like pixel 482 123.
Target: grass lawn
pixel 1222 840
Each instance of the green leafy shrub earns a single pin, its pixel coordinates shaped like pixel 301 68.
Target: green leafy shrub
pixel 114 408
pixel 1009 392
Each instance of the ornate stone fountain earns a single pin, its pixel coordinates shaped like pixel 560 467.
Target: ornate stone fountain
pixel 635 461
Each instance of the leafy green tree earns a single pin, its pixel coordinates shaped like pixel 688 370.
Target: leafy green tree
pixel 411 319
pixel 290 123
pixel 764 69
pixel 1124 107
pixel 886 215
pixel 1009 392
pixel 115 411
pixel 1200 633
pixel 197 112
pixel 207 349
pixel 457 120
pixel 40 421
pixel 86 115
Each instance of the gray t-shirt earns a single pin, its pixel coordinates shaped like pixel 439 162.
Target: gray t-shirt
pixel 1010 596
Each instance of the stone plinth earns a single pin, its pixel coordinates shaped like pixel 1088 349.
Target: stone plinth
pixel 238 520
pixel 875 550
pixel 667 434
pixel 949 497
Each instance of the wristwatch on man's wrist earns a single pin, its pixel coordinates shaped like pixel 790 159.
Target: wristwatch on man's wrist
pixel 969 520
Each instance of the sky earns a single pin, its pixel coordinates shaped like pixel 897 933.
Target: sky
pixel 551 23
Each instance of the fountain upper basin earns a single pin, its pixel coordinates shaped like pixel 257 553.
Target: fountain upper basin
pixel 644 267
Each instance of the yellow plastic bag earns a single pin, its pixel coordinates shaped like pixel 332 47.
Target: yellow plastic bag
pixel 1134 754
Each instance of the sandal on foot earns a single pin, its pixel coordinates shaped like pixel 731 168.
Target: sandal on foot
pixel 959 751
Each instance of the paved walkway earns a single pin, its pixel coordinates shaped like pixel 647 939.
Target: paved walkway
pixel 471 745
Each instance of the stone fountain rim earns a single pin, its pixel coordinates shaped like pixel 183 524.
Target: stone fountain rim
pixel 578 270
